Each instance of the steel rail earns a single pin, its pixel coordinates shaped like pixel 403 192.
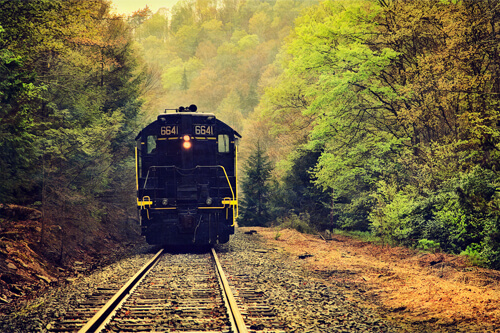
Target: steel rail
pixel 233 307
pixel 104 314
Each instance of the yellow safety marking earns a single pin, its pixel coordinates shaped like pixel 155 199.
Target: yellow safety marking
pixel 236 182
pixel 212 207
pixel 136 171
pixel 230 202
pixel 161 139
pixel 233 202
pixel 146 201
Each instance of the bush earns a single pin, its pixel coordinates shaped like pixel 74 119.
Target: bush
pixel 391 217
pixel 300 222
pixel 475 254
pixel 428 245
pixel 459 217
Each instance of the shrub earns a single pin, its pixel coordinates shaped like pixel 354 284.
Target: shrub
pixel 460 216
pixel 428 245
pixel 475 254
pixel 391 217
pixel 300 222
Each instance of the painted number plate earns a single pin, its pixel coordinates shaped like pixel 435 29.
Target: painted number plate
pixel 206 130
pixel 169 130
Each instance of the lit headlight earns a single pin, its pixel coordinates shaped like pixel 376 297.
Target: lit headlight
pixel 209 201
pixel 164 202
pixel 187 142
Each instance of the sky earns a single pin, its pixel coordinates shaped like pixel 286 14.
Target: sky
pixel 130 6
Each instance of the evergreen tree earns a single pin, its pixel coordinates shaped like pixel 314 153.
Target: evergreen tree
pixel 256 188
pixel 69 100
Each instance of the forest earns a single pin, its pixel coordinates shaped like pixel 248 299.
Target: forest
pixel 378 117
pixel 70 99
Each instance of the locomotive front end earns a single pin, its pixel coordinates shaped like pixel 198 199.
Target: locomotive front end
pixel 186 179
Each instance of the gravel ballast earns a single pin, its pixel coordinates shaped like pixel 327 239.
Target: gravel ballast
pixel 301 300
pixel 37 315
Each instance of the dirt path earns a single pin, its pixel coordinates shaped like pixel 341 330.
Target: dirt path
pixel 424 291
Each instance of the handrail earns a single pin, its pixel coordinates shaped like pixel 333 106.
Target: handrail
pixel 233 201
pixel 197 167
pixel 225 174
pixel 136 170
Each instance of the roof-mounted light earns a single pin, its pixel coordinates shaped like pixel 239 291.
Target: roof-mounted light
pixel 191 108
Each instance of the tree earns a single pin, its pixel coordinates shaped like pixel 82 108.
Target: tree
pixel 325 102
pixel 400 100
pixel 154 25
pixel 256 189
pixel 18 145
pixel 448 80
pixel 69 102
pixel 296 193
pixel 229 111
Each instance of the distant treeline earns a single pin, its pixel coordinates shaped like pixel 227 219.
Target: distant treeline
pixel 216 54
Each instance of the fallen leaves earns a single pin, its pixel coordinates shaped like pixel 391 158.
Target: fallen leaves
pixel 433 288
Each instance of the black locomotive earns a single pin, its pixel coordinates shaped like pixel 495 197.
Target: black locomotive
pixel 186 169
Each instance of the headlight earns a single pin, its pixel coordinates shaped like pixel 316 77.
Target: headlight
pixel 209 201
pixel 164 202
pixel 187 142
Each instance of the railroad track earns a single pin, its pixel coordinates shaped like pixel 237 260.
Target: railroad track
pixel 172 292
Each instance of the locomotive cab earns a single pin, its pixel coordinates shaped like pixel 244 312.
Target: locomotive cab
pixel 186 179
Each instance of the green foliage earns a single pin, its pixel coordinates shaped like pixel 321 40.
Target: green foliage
pixel 178 74
pixel 296 192
pixel 300 222
pixel 18 144
pixel 69 102
pixel 456 216
pixel 228 111
pixel 428 245
pixel 223 46
pixel 156 26
pixel 474 252
pixel 391 217
pixel 255 187
pixel 399 100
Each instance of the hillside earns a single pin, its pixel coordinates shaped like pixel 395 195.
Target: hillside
pixel 29 266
